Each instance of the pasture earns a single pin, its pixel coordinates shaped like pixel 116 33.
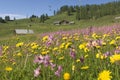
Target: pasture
pixel 63 55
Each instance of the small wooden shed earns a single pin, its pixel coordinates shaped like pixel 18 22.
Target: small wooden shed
pixel 23 31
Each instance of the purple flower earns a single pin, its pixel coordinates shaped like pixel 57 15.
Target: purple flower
pixel 36 72
pixel 72 54
pixel 0 51
pixel 82 59
pixel 39 59
pixel 47 58
pixel 60 68
pixel 107 54
pixel 57 73
pixel 46 61
pixel 117 51
pixel 52 65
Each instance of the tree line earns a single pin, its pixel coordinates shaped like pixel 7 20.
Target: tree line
pixel 7 18
pixel 91 11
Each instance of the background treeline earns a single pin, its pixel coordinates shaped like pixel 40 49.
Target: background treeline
pixel 91 11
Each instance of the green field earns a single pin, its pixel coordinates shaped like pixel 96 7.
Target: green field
pixel 7 29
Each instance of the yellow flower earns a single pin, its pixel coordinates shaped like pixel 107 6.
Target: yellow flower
pixel 51 61
pixel 118 37
pixel 115 58
pixel 82 46
pixel 68 45
pixel 34 47
pixel 85 67
pixel 103 43
pixel 105 35
pixel 54 49
pixel 104 75
pixel 73 67
pixel 62 46
pixel 45 52
pixel 61 58
pixel 64 38
pixel 78 60
pixel 102 57
pixel 86 56
pixel 19 54
pixel 8 69
pixel 86 50
pixel 13 63
pixel 66 76
pixel 113 42
pixel 98 55
pixel 45 38
pixel 19 44
pixel 95 36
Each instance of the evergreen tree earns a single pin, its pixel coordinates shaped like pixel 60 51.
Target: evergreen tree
pixel 42 18
pixel 78 14
pixel 7 18
pixel 1 20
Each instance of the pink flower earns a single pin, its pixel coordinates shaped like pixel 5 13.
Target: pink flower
pixel 72 54
pixel 0 51
pixel 52 66
pixel 39 59
pixel 57 73
pixel 36 72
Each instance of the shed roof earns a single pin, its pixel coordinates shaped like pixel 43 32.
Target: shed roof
pixel 23 31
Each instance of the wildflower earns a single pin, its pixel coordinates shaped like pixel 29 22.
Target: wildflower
pixel 117 38
pixel 104 75
pixel 82 59
pixel 8 68
pixel 13 63
pixel 45 38
pixel 113 42
pixel 107 54
pixel 72 54
pixel 64 38
pixel 82 46
pixel 0 51
pixel 85 67
pixel 39 59
pixel 34 46
pixel 115 58
pixel 19 44
pixel 98 55
pixel 68 45
pixel 19 54
pixel 56 48
pixel 61 58
pixel 52 65
pixel 57 73
pixel 86 50
pixel 78 60
pixel 36 72
pixel 46 61
pixel 73 67
pixel 86 56
pixel 62 46
pixel 95 36
pixel 103 43
pixel 94 43
pixel 105 35
pixel 66 76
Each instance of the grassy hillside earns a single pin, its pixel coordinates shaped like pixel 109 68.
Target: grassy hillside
pixel 7 29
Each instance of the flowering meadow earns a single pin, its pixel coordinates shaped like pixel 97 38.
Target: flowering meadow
pixel 87 54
